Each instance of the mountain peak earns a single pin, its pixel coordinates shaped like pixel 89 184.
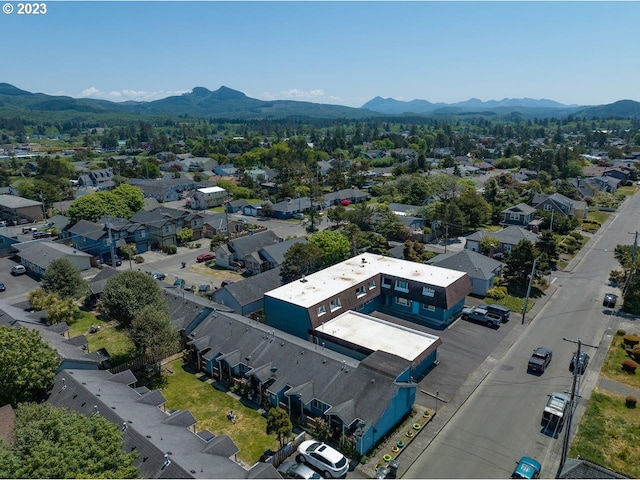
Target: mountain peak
pixel 8 89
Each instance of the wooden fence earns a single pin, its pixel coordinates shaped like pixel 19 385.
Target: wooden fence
pixel 281 455
pixel 141 363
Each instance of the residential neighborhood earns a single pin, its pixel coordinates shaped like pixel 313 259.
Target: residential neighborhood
pixel 320 284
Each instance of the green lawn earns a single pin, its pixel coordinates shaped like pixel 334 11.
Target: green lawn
pixel 115 340
pixel 609 434
pixel 626 191
pixel 611 367
pixel 185 391
pixel 598 215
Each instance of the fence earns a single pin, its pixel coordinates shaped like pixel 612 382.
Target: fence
pixel 281 455
pixel 141 363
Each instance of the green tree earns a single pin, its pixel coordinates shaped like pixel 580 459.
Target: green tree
pixel 128 292
pixel 389 225
pixel 279 424
pixel 152 332
pixel 123 201
pixel 334 246
pixel 132 196
pixel 519 263
pixel 337 214
pixel 475 208
pixel 52 442
pixel 488 245
pixel 63 278
pixel 40 300
pixel 361 215
pixel 27 365
pixel 548 247
pixel 63 310
pixel 266 209
pixel 184 235
pixel 300 260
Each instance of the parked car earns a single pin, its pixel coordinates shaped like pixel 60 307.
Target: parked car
pixel 291 469
pixel 3 223
pixel 158 276
pixel 204 288
pixel 326 459
pixel 609 300
pixel 37 235
pixel 29 229
pixel 2 287
pixel 190 287
pixel 580 364
pixel 18 270
pixel 527 468
pixel 499 310
pixel 225 283
pixel 179 283
pixel 540 360
pixel 108 261
pixel 205 256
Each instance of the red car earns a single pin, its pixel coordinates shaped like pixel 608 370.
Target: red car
pixel 206 256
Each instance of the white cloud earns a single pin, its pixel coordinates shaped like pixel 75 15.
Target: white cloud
pixel 127 94
pixel 318 95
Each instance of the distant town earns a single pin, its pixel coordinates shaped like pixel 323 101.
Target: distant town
pixel 305 297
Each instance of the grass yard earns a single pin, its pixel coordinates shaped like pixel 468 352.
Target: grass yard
pixel 611 367
pixel 185 391
pixel 598 216
pixel 609 434
pixel 627 191
pixel 115 340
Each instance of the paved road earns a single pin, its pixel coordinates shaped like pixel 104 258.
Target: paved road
pixel 500 421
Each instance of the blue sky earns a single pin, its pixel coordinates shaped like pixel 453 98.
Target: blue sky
pixel 346 53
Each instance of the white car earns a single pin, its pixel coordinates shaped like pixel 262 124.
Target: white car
pixel 327 460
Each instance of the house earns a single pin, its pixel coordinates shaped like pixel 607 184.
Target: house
pixel 247 296
pixel 235 253
pixel 162 229
pixel 97 238
pixel 209 197
pixel 507 238
pixel 236 205
pixel 558 204
pixel 167 442
pixel 482 270
pixel 270 256
pixel 90 237
pixel 426 294
pixel 291 206
pixel 70 351
pixel 352 194
pixel 404 209
pixel 59 223
pixel 101 178
pixel 37 256
pixel 362 399
pixel 227 170
pixel 165 189
pixel 185 219
pixel 519 215
pixel 15 209
pixel 125 232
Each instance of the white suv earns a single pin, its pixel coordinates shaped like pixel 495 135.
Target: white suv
pixel 328 460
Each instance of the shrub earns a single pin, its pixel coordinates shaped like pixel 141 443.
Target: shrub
pixel 630 401
pixel 631 339
pixel 496 293
pixel 621 332
pixel 634 352
pixel 576 235
pixel 138 259
pixel 629 366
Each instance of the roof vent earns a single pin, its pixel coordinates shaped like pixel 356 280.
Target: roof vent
pixel 303 280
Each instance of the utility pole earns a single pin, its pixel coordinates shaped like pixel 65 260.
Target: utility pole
pixel 577 370
pixel 111 245
pixel 634 256
pixel 526 300
pixel 551 226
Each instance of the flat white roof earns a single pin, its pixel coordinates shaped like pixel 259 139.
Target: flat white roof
pixel 376 334
pixel 211 189
pixel 333 280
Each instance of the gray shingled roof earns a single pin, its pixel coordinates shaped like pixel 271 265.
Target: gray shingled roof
pixel 310 370
pixel 147 430
pixel 253 288
pixel 13 201
pixel 45 253
pixel 276 252
pixel 252 243
pixel 510 235
pixel 98 282
pixel 581 468
pixel 87 229
pixel 474 264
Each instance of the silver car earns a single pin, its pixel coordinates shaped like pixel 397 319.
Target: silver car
pixel 321 456
pixel 291 469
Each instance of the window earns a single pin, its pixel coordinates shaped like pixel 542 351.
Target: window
pixel 321 310
pixel 386 283
pixel 335 304
pixel 361 291
pixel 143 234
pixel 429 308
pixel 428 292
pixel 372 284
pixel 548 208
pixel 318 405
pixel 402 285
pixel 405 302
pixel 514 216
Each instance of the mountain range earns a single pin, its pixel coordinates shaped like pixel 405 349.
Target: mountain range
pixel 226 103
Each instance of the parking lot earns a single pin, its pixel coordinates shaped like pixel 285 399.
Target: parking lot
pixel 17 287
pixel 465 345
